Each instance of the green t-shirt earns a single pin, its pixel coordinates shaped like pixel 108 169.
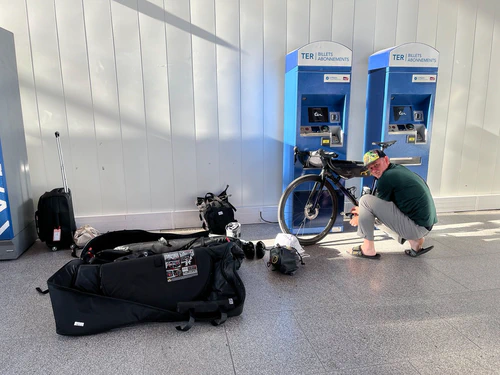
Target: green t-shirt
pixel 410 194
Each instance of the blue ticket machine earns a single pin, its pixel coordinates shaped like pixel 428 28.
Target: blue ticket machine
pixel 317 91
pixel 400 103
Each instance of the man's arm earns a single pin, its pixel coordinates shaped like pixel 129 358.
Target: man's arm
pixel 354 216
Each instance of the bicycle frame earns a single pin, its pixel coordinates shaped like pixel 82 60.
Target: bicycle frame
pixel 326 173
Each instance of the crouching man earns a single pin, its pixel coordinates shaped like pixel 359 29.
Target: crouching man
pixel 402 202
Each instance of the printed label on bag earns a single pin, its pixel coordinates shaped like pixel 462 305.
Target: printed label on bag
pixel 180 265
pixel 57 235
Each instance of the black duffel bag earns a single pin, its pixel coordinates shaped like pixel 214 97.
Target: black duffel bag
pixel 199 283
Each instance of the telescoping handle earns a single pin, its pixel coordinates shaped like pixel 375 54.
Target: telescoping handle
pixel 61 162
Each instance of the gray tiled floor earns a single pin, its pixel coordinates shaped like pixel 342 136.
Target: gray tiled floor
pixel 435 314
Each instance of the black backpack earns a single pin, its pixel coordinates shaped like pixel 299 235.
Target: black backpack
pixel 216 211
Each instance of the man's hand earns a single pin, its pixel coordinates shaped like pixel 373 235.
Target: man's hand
pixel 354 216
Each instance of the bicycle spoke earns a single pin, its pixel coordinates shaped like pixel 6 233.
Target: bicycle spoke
pixel 308 209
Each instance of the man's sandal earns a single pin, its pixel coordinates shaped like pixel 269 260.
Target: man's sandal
pixel 414 253
pixel 357 252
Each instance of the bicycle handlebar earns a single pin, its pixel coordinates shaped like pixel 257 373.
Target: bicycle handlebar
pixel 304 155
pixel 331 154
pixel 319 151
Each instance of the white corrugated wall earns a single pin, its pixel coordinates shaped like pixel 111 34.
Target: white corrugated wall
pixel 159 101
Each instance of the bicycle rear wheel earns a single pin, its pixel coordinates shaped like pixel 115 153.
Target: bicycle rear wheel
pixel 308 209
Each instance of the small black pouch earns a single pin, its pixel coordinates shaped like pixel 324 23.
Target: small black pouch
pixel 284 259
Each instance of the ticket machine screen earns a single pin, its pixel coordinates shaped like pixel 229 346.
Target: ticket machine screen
pixel 318 114
pixel 402 113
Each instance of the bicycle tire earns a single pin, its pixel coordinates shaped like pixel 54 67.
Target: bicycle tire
pixel 309 228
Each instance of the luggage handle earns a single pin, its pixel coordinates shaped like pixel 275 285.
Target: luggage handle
pixel 61 162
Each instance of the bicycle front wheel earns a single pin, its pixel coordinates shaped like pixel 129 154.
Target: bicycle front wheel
pixel 308 209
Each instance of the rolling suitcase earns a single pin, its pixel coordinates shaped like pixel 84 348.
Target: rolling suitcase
pixel 54 218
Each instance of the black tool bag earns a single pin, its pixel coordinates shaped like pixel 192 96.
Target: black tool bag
pixel 216 211
pixel 199 283
pixel 284 259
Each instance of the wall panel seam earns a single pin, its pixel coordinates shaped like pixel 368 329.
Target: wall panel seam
pixel 118 101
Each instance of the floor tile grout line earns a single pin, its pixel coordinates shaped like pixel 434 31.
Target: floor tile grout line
pixel 229 348
pixel 308 341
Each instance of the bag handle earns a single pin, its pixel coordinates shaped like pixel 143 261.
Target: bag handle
pixel 218 199
pixel 300 256
pixel 210 310
pixel 223 192
pixel 209 196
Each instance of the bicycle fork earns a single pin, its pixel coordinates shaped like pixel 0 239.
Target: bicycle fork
pixel 311 210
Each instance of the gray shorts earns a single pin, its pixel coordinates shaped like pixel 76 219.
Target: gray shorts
pixel 386 216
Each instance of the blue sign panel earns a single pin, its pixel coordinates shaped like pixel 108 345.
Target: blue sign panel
pixel 6 232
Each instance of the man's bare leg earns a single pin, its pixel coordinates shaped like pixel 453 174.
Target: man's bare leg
pixel 368 248
pixel 417 244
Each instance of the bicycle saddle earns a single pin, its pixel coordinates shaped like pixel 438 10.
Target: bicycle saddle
pixel 348 168
pixel 384 145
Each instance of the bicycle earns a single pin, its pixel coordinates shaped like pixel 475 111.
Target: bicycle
pixel 308 206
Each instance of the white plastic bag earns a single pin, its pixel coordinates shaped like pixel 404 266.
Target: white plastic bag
pixel 85 234
pixel 289 240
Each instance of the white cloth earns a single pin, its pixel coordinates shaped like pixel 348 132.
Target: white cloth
pixel 85 234
pixel 288 240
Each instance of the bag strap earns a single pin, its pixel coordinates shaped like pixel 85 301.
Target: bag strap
pixel 208 310
pixel 300 256
pixel 223 192
pixel 42 291
pixel 269 262
pixel 223 202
